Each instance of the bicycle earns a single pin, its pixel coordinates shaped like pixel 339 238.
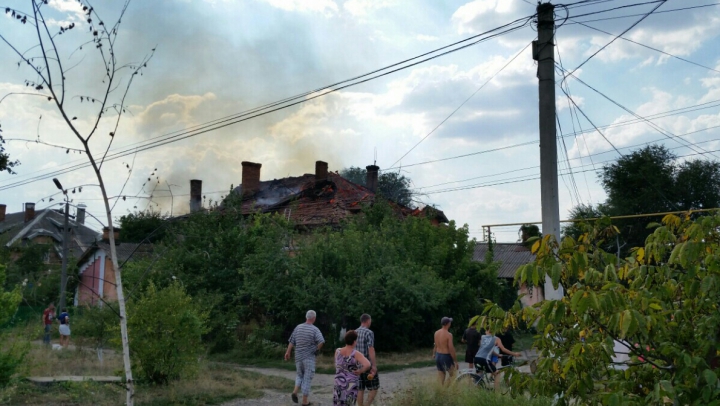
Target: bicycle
pixel 483 379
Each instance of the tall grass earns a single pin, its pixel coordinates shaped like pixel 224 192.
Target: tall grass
pixel 430 393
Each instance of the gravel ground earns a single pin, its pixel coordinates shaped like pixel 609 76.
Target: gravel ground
pixel 322 387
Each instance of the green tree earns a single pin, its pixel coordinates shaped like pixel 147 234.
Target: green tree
pixel 391 185
pixel 697 185
pixel 167 328
pixel 143 226
pixel 6 165
pixel 660 305
pixel 205 251
pixel 650 180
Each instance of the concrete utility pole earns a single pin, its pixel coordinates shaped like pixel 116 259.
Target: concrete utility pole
pixel 63 275
pixel 544 53
pixel 66 237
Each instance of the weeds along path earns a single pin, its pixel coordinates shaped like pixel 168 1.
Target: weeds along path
pixel 322 388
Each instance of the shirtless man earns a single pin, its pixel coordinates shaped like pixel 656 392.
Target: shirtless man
pixel 444 351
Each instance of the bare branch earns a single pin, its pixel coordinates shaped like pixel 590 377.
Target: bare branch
pixel 130 171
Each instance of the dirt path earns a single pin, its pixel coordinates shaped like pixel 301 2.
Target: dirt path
pixel 322 386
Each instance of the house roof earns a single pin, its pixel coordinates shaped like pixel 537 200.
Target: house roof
pixel 510 256
pixel 125 251
pixel 14 230
pixel 309 203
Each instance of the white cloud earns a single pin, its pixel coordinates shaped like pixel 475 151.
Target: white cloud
pixel 480 15
pixel 326 7
pixel 361 8
pixel 426 38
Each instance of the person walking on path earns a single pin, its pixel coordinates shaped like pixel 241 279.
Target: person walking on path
pixel 369 381
pixel 472 338
pixel 48 316
pixel 350 364
pixel 487 343
pixel 307 341
pixel 444 351
pixel 64 319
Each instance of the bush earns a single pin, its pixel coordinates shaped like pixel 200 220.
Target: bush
pixel 165 328
pixel 95 326
pixel 11 357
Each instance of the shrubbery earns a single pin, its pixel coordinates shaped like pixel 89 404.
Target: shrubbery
pixel 11 353
pixel 165 327
pixel 259 271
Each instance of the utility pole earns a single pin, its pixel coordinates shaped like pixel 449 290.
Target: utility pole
pixel 66 237
pixel 63 275
pixel 544 53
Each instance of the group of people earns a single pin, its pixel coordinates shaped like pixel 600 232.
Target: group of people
pixel 355 363
pixel 483 349
pixel 64 329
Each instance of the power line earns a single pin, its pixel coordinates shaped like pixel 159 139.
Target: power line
pixel 463 103
pixel 652 48
pixel 637 15
pixel 525 180
pixel 284 104
pixel 618 36
pixel 572 159
pixel 659 129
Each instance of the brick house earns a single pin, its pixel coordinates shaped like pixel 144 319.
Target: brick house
pixel 314 200
pixel 95 274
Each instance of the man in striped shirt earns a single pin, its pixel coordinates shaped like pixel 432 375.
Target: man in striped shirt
pixel 307 341
pixel 366 345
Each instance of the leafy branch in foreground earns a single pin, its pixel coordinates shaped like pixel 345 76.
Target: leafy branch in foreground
pixel 639 330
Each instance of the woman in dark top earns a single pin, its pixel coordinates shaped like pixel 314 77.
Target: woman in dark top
pixel 472 338
pixel 507 341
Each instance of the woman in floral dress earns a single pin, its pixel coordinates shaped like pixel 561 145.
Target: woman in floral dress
pixel 349 364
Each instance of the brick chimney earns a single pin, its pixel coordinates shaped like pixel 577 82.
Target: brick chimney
pixel 29 211
pixel 106 234
pixel 250 178
pixel 371 181
pixel 2 212
pixel 195 195
pixel 321 171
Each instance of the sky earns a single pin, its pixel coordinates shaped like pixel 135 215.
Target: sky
pixel 215 58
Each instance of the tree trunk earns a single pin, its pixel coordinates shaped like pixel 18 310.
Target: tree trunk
pixel 129 384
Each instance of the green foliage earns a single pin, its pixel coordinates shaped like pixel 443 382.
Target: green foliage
pixel 6 165
pixel 660 304
pixel 406 273
pixel 39 280
pixel 391 185
pixel 165 329
pixel 205 252
pixel 9 300
pixel 142 226
pixel 650 180
pixel 95 326
pixel 11 353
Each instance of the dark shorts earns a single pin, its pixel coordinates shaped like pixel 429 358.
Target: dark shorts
pixel 481 364
pixel 444 362
pixel 470 355
pixel 369 384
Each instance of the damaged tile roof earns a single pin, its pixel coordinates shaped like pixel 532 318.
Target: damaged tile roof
pixel 510 256
pixel 312 203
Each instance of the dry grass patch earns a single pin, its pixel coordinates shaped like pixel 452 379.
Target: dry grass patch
pixel 213 384
pixel 43 361
pixel 428 392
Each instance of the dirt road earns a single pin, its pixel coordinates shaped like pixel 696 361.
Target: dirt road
pixel 391 383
